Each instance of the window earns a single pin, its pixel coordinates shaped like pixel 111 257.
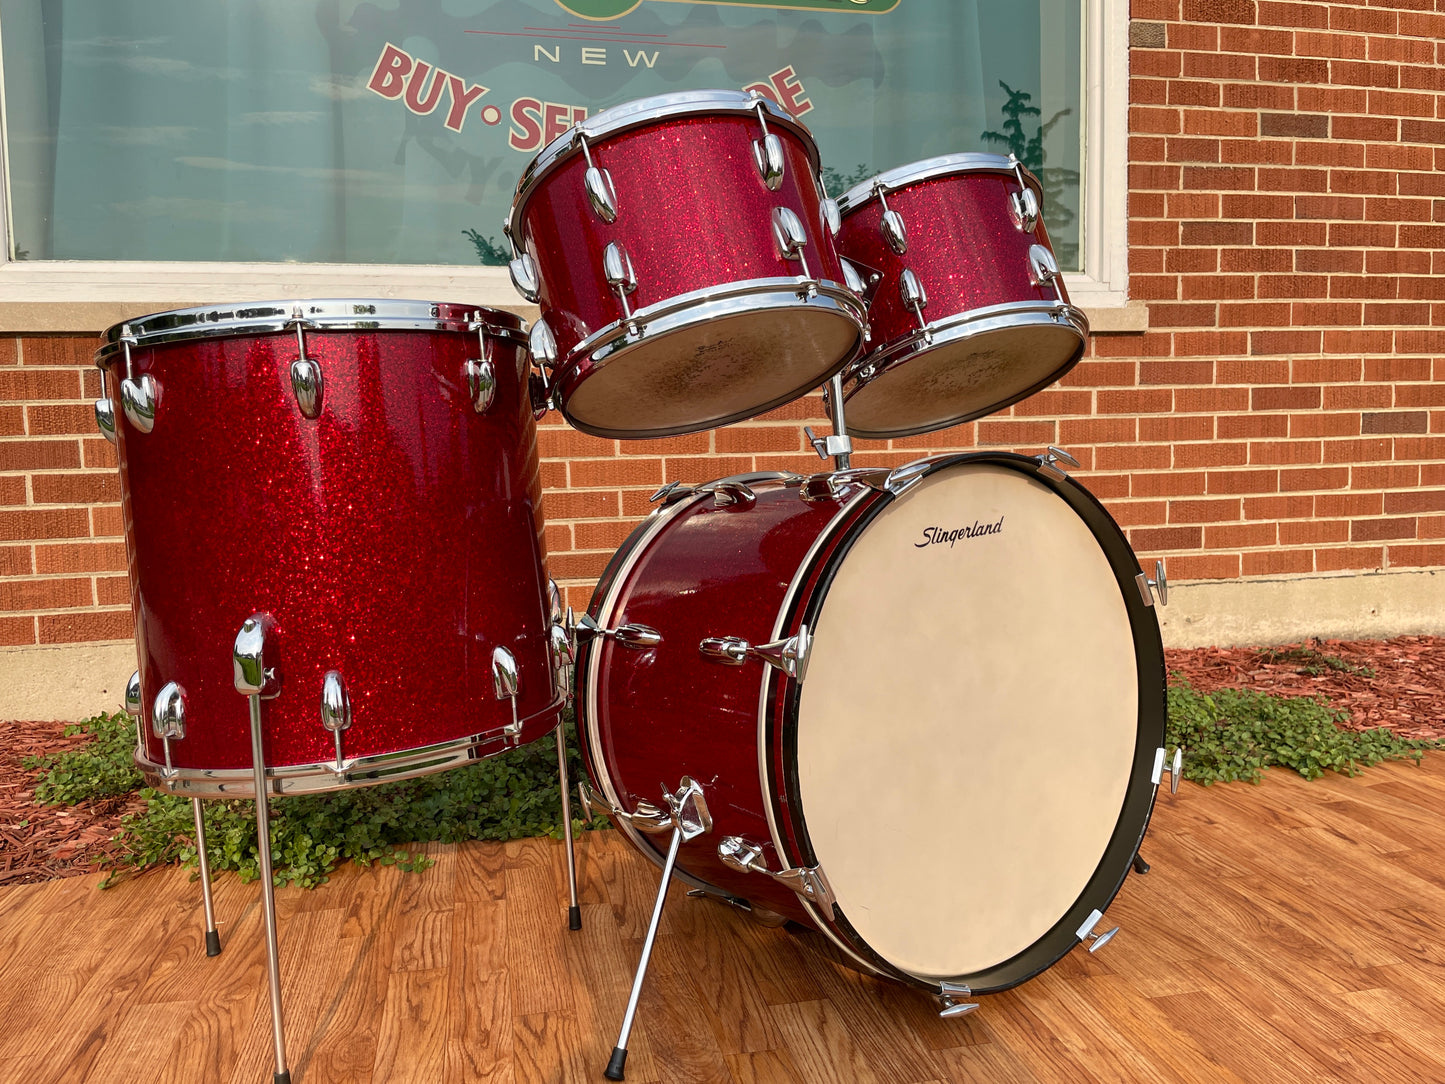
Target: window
pixel 205 139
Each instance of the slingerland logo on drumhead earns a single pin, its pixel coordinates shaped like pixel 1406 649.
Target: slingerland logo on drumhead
pixel 938 536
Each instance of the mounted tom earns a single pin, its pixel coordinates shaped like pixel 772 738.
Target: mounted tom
pixel 681 250
pixel 966 302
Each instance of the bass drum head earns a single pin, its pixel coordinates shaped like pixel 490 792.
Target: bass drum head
pixel 712 368
pixel 970 726
pixel 969 372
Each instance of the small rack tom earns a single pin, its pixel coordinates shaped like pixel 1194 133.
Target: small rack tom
pixel 681 250
pixel 967 306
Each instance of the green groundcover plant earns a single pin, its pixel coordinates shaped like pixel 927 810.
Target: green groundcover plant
pixel 1227 736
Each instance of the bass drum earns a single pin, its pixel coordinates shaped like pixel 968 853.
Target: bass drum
pixel 932 699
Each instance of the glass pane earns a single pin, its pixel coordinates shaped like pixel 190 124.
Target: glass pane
pixel 362 132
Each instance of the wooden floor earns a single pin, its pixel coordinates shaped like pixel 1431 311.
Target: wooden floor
pixel 1288 932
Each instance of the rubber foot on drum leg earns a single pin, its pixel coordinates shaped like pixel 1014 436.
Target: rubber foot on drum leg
pixel 1141 867
pixel 213 942
pixel 574 917
pixel 281 1078
pixel 616 1065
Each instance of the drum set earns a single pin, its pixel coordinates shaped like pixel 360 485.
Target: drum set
pixel 919 710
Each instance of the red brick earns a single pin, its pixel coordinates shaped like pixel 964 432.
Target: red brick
pixel 1218 66
pixel 1277 562
pixel 75 488
pixel 1137 513
pixel 1394 209
pixel 1158 63
pixel 1187 36
pixel 1358 451
pixel 1363 342
pixel 1288 506
pixel 703 468
pixel 1147 92
pixel 1282 452
pixel 1188 344
pixel 72 557
pixel 1429 500
pixel 1336 101
pixel 44 524
pixel 1397 262
pixel 1253 314
pixel 1132 457
pixel 1336 560
pixel 1252 370
pixel 1155 539
pixel 1364 20
pixel 1352 73
pixel 1216 454
pixel 1418 395
pixel 1335 46
pixel 1346 397
pixel 24 384
pixel 1223 510
pixel 1163 314
pixel 1192 259
pixel 1242 481
pixel 1397 312
pixel 1362 235
pixel 1255 259
pixel 570 444
pixel 1284 342
pixel 1132 401
pixel 1054 402
pixel 1292 14
pixel 12 489
pixel 1322 312
pixel 553 475
pixel 558 537
pixel 1154 121
pixel 85 627
pixel 98 453
pixel 106 521
pixel 758 438
pixel 608 534
pixel 614 472
pixel 1313 532
pixel 1101 374
pixel 1408 448
pixel 112 591
pixel 1419 25
pixel 60 419
pixel 1417 556
pixel 1240 535
pixel 1334 154
pixel 1171 483
pixel 1348 208
pixel 1368 128
pixel 585 504
pixel 1320 424
pixel 1421 78
pixel 1296 286
pixel 1193 93
pixel 569 566
pixel 1291 70
pixel 17 631
pixel 1252 426
pixel 1073 431
pixel 1366 182
pixel 1212 566
pixel 1405 104
pixel 53 594
pixel 1348 505
pixel 31 455
pixel 15 561
pixel 1176 428
pixel 1377 287
pixel 1212 287
pixel 1421 342
pixel 1191 400
pixel 1421 184
pixel 1377 530
pixel 1154 287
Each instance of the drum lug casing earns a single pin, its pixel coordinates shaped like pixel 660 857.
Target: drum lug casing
pixel 789 655
pixel 637 637
pixel 807 881
pixel 524 277
pixel 105 418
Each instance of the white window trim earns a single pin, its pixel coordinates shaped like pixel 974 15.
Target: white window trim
pixel 81 295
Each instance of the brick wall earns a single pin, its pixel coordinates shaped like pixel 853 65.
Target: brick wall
pixel 1284 414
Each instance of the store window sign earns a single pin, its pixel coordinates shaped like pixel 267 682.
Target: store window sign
pixel 613 9
pixel 353 132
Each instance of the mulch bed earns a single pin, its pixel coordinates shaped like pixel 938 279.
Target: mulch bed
pixel 1397 683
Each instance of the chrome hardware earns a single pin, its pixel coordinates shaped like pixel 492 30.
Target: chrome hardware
pixel 689 809
pixel 901 479
pixel 542 344
pixel 105 418
pixel 539 395
pixel 617 269
pixel 894 231
pixel 833 444
pixel 168 714
pixel 832 217
pixel 1024 209
pixel 808 882
pixel 481 383
pixel 768 151
pixel 733 495
pixel 555 610
pixel 563 656
pixel 138 400
pixel 851 278
pixel 306 381
pixel 645 818
pixel 250 674
pixel 335 709
pixel 789 655
pixel 213 936
pixel 914 296
pixel 1159 585
pixel 638 637
pixel 1176 768
pixel 1044 269
pixel 1049 460
pixel 133 694
pixel 505 683
pixel 1086 931
pixel 788 235
pixel 947 991
pixel 601 193
pixel 524 277
pixel 669 492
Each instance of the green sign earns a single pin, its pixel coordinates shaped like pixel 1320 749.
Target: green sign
pixel 612 9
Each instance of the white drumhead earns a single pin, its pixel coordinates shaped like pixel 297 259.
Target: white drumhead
pixel 968 724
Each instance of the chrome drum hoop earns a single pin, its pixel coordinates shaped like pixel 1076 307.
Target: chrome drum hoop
pixel 930 169
pixel 641 113
pixel 327 314
pixel 323 777
pixel 958 328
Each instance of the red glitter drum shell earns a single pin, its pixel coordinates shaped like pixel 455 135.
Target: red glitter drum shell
pixel 998 333
pixel 695 218
pixel 395 538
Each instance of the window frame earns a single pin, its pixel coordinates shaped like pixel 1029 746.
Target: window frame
pixel 84 295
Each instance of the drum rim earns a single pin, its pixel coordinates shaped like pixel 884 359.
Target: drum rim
pixel 230 319
pixel 624 117
pixel 697 307
pixel 356 772
pixel 1141 791
pixel 928 169
pixel 957 328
